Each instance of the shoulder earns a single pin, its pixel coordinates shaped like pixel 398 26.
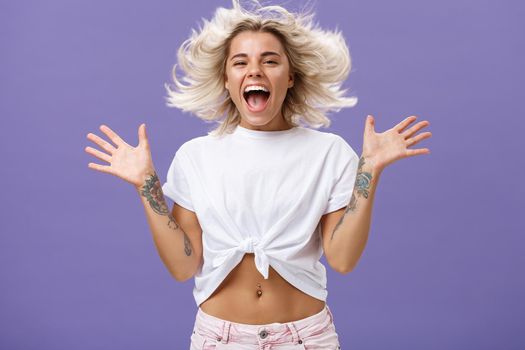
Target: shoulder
pixel 196 144
pixel 337 148
pixel 317 135
pixel 331 139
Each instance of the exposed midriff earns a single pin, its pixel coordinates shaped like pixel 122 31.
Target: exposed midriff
pixel 236 299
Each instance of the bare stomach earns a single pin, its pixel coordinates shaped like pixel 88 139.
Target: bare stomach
pixel 246 297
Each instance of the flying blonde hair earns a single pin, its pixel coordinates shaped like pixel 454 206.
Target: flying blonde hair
pixel 319 60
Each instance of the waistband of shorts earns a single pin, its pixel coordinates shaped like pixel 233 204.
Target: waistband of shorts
pixel 318 318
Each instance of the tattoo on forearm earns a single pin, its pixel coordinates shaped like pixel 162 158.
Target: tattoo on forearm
pixel 152 190
pixel 361 188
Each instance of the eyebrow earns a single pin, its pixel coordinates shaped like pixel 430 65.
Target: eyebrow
pixel 264 54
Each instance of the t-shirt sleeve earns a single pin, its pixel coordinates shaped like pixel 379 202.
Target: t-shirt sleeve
pixel 177 186
pixel 343 162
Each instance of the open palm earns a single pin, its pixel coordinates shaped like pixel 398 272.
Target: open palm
pixel 125 161
pixel 387 147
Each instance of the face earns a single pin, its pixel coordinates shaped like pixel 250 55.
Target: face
pixel 257 78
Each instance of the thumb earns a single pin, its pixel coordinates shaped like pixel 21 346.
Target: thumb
pixel 142 134
pixel 370 124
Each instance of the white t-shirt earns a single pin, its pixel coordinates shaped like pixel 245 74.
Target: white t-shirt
pixel 263 192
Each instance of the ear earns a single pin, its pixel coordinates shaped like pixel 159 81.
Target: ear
pixel 226 84
pixel 290 80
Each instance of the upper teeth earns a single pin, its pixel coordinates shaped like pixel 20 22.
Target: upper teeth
pixel 255 87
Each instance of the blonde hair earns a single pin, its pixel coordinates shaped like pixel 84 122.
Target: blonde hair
pixel 319 60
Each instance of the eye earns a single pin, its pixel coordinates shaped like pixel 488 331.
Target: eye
pixel 271 62
pixel 239 63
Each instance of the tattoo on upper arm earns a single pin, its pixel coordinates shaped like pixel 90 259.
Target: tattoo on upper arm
pixel 361 188
pixel 152 190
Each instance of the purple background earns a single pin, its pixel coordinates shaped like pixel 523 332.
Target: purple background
pixel 443 265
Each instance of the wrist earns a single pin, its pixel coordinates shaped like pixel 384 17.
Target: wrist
pixel 148 178
pixel 370 164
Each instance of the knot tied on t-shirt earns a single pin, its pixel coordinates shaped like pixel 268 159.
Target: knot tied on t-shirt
pixel 247 245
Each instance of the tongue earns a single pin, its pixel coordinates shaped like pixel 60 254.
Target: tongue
pixel 257 100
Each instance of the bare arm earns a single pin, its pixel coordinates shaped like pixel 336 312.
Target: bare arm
pixel 345 231
pixel 177 234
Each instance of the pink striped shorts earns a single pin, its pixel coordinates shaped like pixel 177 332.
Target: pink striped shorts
pixel 313 332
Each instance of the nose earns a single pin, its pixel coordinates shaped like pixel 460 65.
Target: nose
pixel 254 71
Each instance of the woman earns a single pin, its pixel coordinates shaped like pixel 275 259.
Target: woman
pixel 260 198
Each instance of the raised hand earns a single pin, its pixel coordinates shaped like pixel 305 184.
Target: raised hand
pixel 382 149
pixel 132 164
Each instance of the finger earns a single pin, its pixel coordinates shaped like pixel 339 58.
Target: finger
pixel 100 155
pixel 142 134
pixel 416 152
pixel 102 168
pixel 414 140
pixel 112 135
pixel 370 124
pixel 108 147
pixel 403 124
pixel 415 128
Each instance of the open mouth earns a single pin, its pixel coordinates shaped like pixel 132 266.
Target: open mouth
pixel 256 97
